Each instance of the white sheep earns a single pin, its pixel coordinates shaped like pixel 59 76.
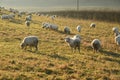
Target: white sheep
pixel 27 23
pixel 96 45
pixel 117 39
pixel 45 25
pixel 77 36
pixel 67 30
pixel 28 18
pixel 53 17
pixel 115 31
pixel 30 41
pixel 78 28
pixel 53 27
pixel 4 16
pixel 92 25
pixel 73 43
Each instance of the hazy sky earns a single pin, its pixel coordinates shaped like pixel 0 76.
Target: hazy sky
pixel 57 4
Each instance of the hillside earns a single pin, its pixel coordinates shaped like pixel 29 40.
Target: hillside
pixel 54 60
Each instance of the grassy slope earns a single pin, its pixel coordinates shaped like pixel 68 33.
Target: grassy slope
pixel 54 60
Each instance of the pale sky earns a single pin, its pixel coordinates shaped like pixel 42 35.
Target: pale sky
pixel 58 4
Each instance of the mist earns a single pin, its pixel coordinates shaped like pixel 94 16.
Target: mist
pixel 36 5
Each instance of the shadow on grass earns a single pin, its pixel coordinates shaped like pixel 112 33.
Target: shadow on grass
pixel 113 54
pixel 109 53
pixel 56 56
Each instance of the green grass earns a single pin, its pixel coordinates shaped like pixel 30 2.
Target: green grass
pixel 54 59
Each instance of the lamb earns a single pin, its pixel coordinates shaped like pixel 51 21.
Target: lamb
pixel 92 25
pixel 67 30
pixel 78 28
pixel 27 23
pixel 73 43
pixel 31 41
pixel 96 44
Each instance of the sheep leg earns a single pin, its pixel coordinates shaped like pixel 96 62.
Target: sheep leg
pixel 79 49
pixel 36 48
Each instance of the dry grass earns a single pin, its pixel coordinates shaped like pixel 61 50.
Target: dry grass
pixel 54 59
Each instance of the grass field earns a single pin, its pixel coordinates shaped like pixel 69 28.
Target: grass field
pixel 54 59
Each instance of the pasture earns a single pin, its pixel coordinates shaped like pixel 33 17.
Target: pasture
pixel 54 59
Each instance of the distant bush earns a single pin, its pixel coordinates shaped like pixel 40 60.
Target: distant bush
pixel 111 16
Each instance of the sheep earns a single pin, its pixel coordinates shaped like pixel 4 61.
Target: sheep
pixel 67 30
pixel 53 17
pixel 77 36
pixel 4 16
pixel 27 23
pixel 92 25
pixel 30 41
pixel 96 44
pixel 73 43
pixel 117 40
pixel 115 31
pixel 78 28
pixel 28 18
pixel 45 25
pixel 50 26
pixel 53 27
pixel 10 16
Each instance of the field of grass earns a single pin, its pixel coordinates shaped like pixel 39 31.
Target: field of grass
pixel 54 60
pixel 100 15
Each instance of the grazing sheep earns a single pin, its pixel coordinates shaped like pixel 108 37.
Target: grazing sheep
pixel 92 25
pixel 28 18
pixel 117 40
pixel 10 16
pixel 115 31
pixel 53 17
pixel 78 28
pixel 53 27
pixel 67 30
pixel 27 23
pixel 31 41
pixel 77 36
pixel 96 45
pixel 73 43
pixel 45 25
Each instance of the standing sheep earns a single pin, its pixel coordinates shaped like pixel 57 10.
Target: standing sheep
pixel 96 45
pixel 115 31
pixel 73 43
pixel 27 23
pixel 78 28
pixel 31 41
pixel 117 41
pixel 67 30
pixel 92 25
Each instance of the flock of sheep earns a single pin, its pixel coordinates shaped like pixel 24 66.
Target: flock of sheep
pixel 74 42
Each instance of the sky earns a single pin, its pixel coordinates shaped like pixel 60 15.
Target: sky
pixel 58 4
